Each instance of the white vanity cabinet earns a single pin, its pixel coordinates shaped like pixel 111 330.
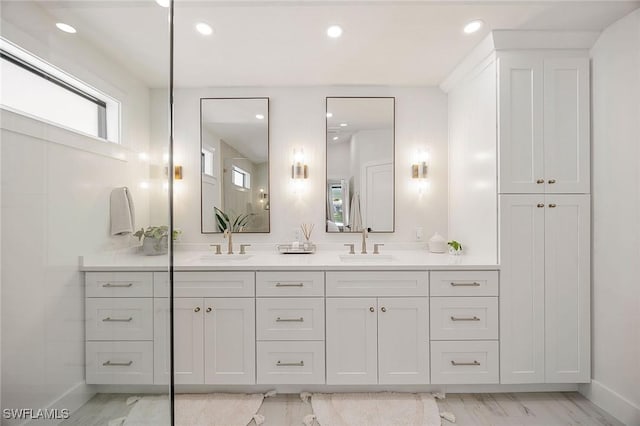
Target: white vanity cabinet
pixel 464 327
pixel 214 338
pixel 545 298
pixel 543 110
pixel 290 327
pixel 119 327
pixel 377 340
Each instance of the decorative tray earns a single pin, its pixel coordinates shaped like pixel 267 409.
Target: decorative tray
pixel 305 248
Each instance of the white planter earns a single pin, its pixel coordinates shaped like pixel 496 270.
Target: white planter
pixel 154 247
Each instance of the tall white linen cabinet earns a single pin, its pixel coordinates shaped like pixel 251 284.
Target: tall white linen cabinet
pixel 519 128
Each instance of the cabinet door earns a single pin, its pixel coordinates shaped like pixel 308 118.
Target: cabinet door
pixel 566 125
pixel 522 288
pixel 229 341
pixel 352 353
pixel 403 340
pixel 188 328
pixel 567 289
pixel 520 132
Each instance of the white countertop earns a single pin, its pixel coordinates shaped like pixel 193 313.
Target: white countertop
pixel 264 260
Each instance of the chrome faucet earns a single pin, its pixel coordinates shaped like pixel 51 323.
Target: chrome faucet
pixel 365 235
pixel 228 234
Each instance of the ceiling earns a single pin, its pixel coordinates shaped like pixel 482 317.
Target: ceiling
pixel 284 43
pixel 235 122
pixel 358 114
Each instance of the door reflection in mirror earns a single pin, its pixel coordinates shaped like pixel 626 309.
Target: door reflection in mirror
pixel 360 140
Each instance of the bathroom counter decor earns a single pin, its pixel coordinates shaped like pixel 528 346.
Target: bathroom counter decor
pixel 306 248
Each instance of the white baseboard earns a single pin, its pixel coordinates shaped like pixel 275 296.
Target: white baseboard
pixel 71 400
pixel 164 389
pixel 612 402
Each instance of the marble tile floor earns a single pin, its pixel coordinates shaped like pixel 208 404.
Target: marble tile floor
pixel 493 409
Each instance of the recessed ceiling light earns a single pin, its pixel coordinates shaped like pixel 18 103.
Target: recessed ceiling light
pixel 329 115
pixel 204 29
pixel 164 3
pixel 335 138
pixel 473 26
pixel 343 124
pixel 334 31
pixel 66 28
pixel 260 116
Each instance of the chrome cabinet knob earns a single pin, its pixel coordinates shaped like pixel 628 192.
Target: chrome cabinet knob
pixel 540 181
pixel 209 309
pixel 552 205
pixel 197 309
pixel 552 181
pixel 371 309
pixel 383 309
pixel 540 205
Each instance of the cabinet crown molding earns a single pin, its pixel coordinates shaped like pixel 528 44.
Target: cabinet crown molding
pixel 504 40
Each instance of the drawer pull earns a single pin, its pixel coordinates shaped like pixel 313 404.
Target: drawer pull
pixel 301 319
pixel 117 364
pixel 473 284
pixel 455 364
pixel 109 319
pixel 111 285
pixel 289 284
pixel 473 318
pixel 290 364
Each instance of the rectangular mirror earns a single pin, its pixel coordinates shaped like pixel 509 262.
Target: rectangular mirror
pixel 234 153
pixel 360 164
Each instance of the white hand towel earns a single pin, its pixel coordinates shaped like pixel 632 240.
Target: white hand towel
pixel 122 211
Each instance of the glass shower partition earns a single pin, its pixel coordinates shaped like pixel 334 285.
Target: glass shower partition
pixel 86 178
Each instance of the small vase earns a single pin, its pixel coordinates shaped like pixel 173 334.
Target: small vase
pixel 154 246
pixel 307 245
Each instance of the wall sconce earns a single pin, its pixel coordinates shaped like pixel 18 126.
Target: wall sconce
pixel 263 197
pixel 177 172
pixel 299 169
pixel 419 170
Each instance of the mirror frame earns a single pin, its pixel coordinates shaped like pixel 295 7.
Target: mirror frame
pixel 268 231
pixel 326 162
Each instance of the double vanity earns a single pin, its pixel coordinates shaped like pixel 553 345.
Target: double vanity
pixel 270 319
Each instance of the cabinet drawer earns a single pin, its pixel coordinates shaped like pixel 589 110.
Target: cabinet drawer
pixel 290 363
pixel 290 319
pixel 468 362
pixel 115 363
pixel 284 284
pixel 378 283
pixel 213 284
pixel 119 284
pixel 462 318
pixel 464 283
pixel 119 318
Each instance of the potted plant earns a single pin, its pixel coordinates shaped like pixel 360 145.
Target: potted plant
pixel 455 247
pixel 155 239
pixel 232 223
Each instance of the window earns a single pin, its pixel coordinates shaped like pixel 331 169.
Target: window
pixel 31 86
pixel 240 178
pixel 207 161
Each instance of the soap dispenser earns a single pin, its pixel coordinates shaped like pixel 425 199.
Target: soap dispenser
pixel 437 244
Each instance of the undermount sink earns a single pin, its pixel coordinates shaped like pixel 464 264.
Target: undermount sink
pixel 369 258
pixel 222 258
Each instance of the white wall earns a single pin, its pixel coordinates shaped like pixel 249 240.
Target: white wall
pixel 297 120
pixel 472 159
pixel 616 220
pixel 55 187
